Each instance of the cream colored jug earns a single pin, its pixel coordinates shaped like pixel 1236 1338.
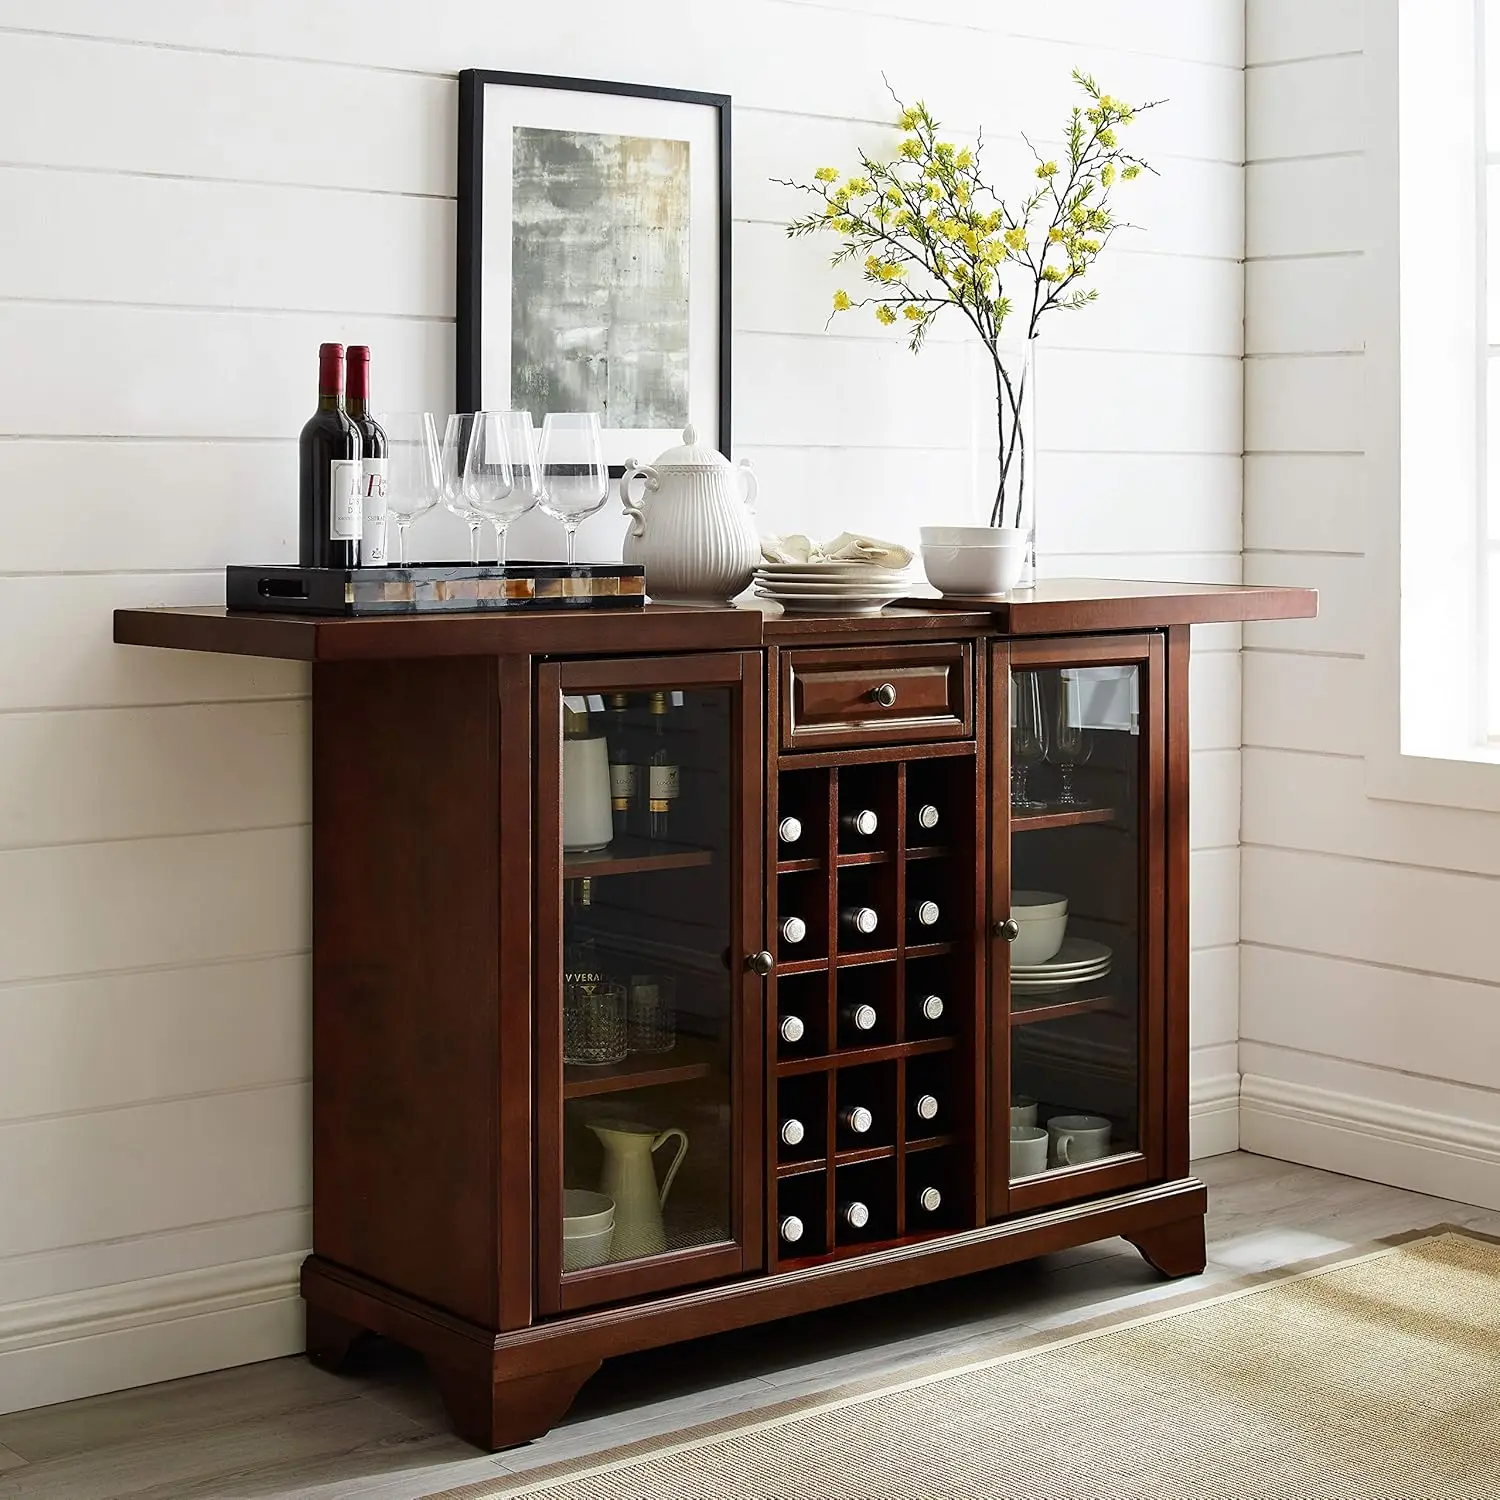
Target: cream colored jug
pixel 630 1179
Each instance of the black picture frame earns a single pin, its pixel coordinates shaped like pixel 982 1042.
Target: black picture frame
pixel 472 83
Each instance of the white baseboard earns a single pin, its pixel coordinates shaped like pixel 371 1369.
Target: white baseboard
pixel 1214 1116
pixel 138 1332
pixel 1443 1155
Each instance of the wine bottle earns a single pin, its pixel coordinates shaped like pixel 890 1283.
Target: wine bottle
pixel 664 776
pixel 862 823
pixel 792 1132
pixel 859 1017
pixel 931 1008
pixel 926 817
pixel 791 1229
pixel 792 1029
pixel 793 930
pixel 929 1200
pixel 854 1214
pixel 328 454
pixel 372 460
pixel 926 1107
pixel 789 830
pixel 859 921
pixel 856 1119
pixel 924 913
pixel 624 773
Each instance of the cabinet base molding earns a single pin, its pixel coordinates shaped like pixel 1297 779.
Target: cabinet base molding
pixel 505 1388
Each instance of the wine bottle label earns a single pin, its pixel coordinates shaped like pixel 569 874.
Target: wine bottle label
pixel 372 491
pixel 344 514
pixel 666 782
pixel 624 782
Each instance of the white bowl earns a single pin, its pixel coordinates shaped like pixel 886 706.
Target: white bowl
pixel 1042 917
pixel 993 569
pixel 972 536
pixel 580 1251
pixel 586 1214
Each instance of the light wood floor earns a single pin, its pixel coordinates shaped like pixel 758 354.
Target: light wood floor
pixel 285 1429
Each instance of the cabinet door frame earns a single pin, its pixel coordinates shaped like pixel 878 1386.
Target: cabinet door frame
pixel 1146 652
pixel 741 673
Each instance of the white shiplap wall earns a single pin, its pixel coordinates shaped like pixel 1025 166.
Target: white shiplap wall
pixel 196 195
pixel 1370 978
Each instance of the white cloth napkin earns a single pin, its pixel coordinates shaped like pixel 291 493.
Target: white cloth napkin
pixel 847 546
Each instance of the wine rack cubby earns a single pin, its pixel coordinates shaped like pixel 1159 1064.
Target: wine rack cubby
pixel 888 1004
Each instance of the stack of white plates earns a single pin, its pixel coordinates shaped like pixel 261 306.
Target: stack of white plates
pixel 854 588
pixel 1078 961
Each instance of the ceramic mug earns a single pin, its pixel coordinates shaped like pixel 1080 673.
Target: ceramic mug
pixel 1028 1150
pixel 1022 1110
pixel 1077 1139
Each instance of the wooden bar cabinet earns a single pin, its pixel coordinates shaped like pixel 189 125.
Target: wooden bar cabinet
pixel 772 1004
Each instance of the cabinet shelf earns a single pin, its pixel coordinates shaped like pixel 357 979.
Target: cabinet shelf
pixel 927 851
pixel 852 1057
pixel 929 1143
pixel 798 866
pixel 1061 817
pixel 862 857
pixel 1056 1010
pixel 690 1059
pixel 630 856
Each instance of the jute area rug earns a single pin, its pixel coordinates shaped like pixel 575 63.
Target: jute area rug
pixel 1376 1376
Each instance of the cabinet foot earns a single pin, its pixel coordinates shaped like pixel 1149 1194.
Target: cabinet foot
pixel 329 1338
pixel 1174 1249
pixel 493 1413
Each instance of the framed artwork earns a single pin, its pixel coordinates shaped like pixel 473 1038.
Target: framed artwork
pixel 593 256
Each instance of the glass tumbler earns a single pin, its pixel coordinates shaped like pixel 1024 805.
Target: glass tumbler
pixel 594 1024
pixel 652 1017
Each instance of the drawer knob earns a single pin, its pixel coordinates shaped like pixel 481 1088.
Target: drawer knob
pixel 885 694
pixel 1009 929
pixel 760 963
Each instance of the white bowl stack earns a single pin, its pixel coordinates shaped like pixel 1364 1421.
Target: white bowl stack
pixel 967 560
pixel 588 1228
pixel 855 588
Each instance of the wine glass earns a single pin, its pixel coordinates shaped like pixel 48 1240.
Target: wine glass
pixel 414 472
pixel 575 480
pixel 1071 744
pixel 1028 739
pixel 501 475
pixel 456 439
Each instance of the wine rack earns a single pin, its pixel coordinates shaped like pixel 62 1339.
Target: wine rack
pixel 858 997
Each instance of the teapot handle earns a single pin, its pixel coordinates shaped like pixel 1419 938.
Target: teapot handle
pixel 749 484
pixel 635 509
pixel 661 1140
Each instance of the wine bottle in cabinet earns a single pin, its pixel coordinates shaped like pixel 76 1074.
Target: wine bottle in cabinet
pixel 857 1022
pixel 932 1196
pixel 929 1100
pixel 853 1213
pixel 926 1109
pixel 664 776
pixel 792 1030
pixel 929 1009
pixel 922 917
pixel 858 923
pixel 801 1228
pixel 864 1201
pixel 624 767
pixel 789 834
pixel 801 1117
pixel 922 822
pixel 860 823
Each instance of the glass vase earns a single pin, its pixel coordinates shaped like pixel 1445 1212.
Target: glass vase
pixel 1002 440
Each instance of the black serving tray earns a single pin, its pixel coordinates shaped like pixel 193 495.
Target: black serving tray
pixel 435 588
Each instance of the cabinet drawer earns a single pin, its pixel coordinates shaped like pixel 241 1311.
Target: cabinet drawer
pixel 870 695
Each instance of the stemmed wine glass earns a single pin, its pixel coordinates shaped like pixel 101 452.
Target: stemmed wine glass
pixel 456 439
pixel 1028 739
pixel 501 476
pixel 575 479
pixel 1071 745
pixel 414 470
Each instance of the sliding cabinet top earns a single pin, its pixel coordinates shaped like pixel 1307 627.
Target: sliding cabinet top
pixel 1059 606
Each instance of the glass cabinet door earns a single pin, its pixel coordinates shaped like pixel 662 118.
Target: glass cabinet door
pixel 1076 1069
pixel 649 1022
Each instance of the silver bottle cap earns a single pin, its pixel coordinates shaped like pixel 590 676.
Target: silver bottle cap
pixel 790 830
pixel 865 822
pixel 856 1215
pixel 932 1007
pixel 865 919
pixel 792 1132
pixel 863 1018
pixel 858 1119
pixel 926 913
pixel 793 930
pixel 792 1029
pixel 930 1199
pixel 927 816
pixel 791 1227
pixel 927 1107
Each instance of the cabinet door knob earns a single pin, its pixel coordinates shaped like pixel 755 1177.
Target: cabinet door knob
pixel 760 963
pixel 1009 929
pixel 885 694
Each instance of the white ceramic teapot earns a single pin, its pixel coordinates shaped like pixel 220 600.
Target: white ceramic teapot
pixel 696 536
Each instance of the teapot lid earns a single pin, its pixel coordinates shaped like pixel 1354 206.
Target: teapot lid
pixel 692 454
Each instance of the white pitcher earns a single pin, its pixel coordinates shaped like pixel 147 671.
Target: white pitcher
pixel 696 535
pixel 630 1179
